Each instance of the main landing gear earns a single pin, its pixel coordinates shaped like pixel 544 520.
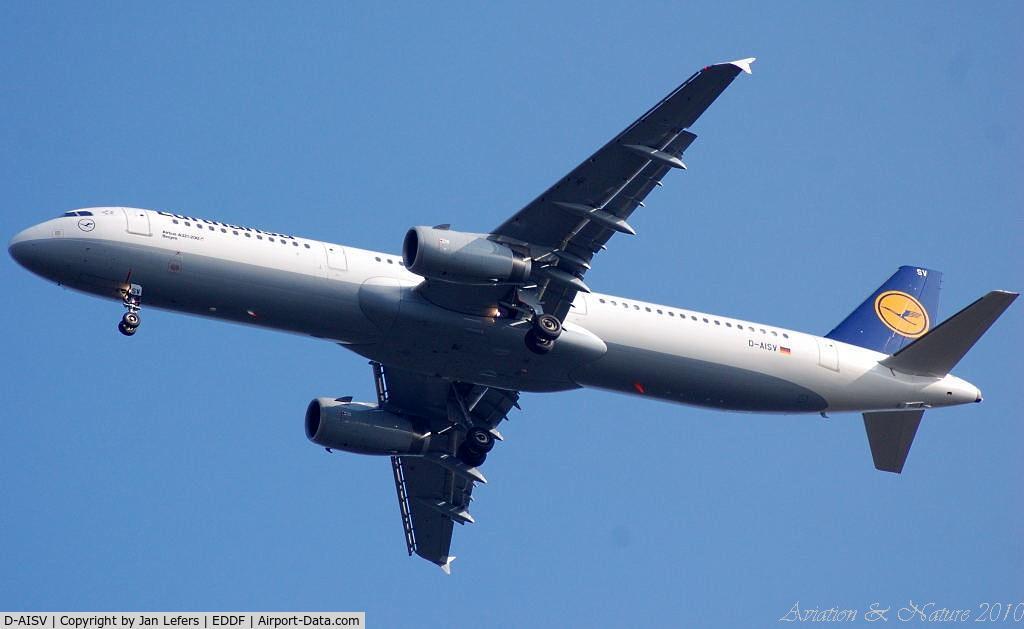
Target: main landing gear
pixel 476 445
pixel 132 300
pixel 544 329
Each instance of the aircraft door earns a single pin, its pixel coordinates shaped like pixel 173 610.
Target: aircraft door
pixel 579 305
pixel 137 221
pixel 828 354
pixel 336 260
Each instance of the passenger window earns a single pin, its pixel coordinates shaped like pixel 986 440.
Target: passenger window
pixel 307 245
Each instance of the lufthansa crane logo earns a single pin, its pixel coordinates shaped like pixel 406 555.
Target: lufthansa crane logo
pixel 86 224
pixel 902 314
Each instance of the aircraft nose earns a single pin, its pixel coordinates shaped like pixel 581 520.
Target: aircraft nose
pixel 27 247
pixel 19 247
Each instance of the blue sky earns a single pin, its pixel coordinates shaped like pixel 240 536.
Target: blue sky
pixel 170 471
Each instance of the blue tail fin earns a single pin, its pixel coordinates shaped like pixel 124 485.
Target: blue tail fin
pixel 900 311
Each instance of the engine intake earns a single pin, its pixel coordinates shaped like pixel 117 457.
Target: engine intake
pixel 362 428
pixel 462 257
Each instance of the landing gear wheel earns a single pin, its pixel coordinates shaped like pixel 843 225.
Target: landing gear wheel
pixel 131 297
pixel 471 457
pixel 547 326
pixel 479 440
pixel 538 345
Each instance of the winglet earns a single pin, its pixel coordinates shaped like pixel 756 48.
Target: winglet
pixel 744 64
pixel 447 565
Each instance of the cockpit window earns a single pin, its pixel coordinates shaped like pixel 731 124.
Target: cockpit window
pixel 78 213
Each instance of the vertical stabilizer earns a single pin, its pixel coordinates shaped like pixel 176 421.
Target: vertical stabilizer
pixel 903 309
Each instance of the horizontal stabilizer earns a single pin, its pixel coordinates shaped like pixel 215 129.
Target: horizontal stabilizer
pixel 937 352
pixel 890 434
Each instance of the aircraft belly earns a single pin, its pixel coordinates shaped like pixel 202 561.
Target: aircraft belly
pixel 693 381
pixel 208 286
pixel 426 338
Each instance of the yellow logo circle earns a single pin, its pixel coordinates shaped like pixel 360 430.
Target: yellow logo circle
pixel 902 314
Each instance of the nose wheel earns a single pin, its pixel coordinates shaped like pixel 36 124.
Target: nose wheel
pixel 132 300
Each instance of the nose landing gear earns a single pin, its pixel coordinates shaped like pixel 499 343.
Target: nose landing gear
pixel 132 300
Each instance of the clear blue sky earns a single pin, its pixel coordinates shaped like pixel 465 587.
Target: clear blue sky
pixel 170 471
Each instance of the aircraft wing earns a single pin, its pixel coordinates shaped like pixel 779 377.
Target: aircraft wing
pixel 434 491
pixel 573 219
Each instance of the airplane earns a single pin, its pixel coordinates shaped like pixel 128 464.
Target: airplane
pixel 460 323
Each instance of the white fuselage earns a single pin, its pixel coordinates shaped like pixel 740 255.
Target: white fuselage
pixel 367 301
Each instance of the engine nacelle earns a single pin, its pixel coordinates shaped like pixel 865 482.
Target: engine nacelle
pixel 460 257
pixel 362 428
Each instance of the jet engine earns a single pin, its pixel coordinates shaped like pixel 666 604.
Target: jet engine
pixel 460 257
pixel 362 428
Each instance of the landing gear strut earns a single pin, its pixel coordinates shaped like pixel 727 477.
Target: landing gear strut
pixel 132 300
pixel 543 332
